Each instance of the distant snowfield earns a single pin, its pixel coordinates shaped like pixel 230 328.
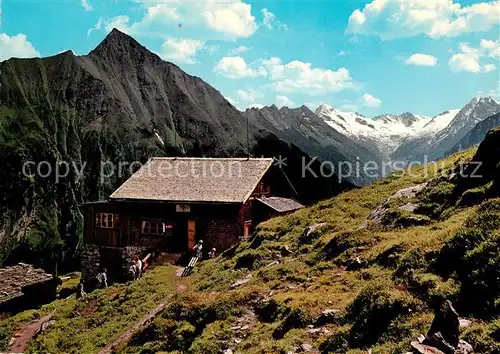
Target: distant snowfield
pixel 387 132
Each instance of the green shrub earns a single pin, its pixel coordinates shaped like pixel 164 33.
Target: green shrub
pixel 484 338
pixel 391 256
pixel 248 259
pixel 374 310
pixel 337 343
pixel 5 335
pixel 403 218
pixel 268 311
pixel 296 318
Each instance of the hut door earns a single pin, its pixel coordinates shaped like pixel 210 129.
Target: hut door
pixel 191 234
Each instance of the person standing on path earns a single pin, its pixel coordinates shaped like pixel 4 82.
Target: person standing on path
pixel 199 249
pixel 102 279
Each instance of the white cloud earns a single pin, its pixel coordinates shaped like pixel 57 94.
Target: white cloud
pixel 495 93
pixel 290 77
pixel 491 48
pixel 433 18
pixel 248 95
pixel 16 46
pixel 211 49
pixel 342 53
pixel 299 76
pixel 469 58
pixel 488 68
pixel 86 5
pixel 209 19
pixel 420 59
pixel 181 50
pixel 257 105
pixel 284 101
pixel 368 100
pixel 464 62
pixel 236 68
pixel 234 103
pixel 270 20
pixel 97 26
pixel 238 50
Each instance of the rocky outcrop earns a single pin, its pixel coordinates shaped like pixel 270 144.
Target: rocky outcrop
pixel 443 335
pixel 379 213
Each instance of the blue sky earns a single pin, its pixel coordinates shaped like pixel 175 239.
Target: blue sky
pixel 373 57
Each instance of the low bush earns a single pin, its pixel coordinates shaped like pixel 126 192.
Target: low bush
pixel 485 338
pixel 248 259
pixel 296 318
pixel 374 310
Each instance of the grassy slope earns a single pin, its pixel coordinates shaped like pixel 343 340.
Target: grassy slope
pixel 89 325
pixel 382 305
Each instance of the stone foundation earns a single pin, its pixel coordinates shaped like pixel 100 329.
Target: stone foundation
pixel 90 259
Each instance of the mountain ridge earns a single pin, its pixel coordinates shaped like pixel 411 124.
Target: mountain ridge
pixel 119 104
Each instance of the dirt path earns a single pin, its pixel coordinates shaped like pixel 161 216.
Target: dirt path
pixel 19 342
pixel 127 335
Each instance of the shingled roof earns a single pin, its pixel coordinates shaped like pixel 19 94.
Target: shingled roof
pixel 13 279
pixel 210 180
pixel 281 205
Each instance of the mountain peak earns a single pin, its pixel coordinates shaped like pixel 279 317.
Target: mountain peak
pixel 324 108
pixel 118 44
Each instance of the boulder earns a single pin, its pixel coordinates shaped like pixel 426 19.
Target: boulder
pixel 446 323
pixel 464 323
pixel 464 348
pixel 327 316
pixel 437 341
pixel 309 234
pixel 355 264
pixel 425 349
pixel 285 251
pixel 241 281
pixel 306 347
pixel 411 207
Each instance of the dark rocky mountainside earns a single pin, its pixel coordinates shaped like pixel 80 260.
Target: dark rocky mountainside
pixel 120 103
pixel 476 135
pixel 305 129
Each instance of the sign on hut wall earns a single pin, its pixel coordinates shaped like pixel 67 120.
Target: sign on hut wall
pixel 183 208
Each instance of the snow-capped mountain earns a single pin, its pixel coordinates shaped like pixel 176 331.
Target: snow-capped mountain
pixel 436 145
pixel 303 128
pixel 441 121
pixel 473 113
pixel 409 136
pixel 476 135
pixel 386 132
pixel 333 135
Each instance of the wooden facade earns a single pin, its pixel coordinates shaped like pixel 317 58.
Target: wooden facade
pixel 120 228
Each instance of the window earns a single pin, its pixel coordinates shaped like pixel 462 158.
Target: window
pixel 153 227
pixel 107 220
